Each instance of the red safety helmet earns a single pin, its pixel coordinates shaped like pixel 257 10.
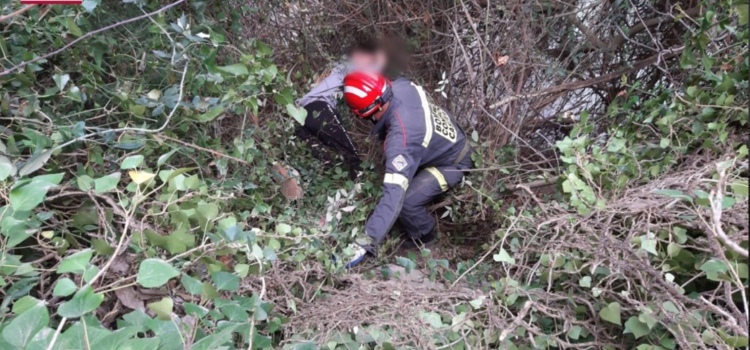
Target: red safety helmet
pixel 366 92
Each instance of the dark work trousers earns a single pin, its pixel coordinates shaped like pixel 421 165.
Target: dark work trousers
pixel 428 183
pixel 323 128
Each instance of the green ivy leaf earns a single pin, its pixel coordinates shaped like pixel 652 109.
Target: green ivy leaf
pixel 611 313
pixel 476 304
pixel 739 188
pixel 85 183
pixel 195 309
pixel 162 308
pixel 76 263
pixel 208 211
pixel 575 332
pixel 615 145
pixel 649 319
pixel 673 250
pixel 670 307
pixel 283 229
pixel 237 69
pixel 165 157
pixel 209 291
pixel 242 270
pixel 90 5
pixel 585 282
pixel 131 162
pixel 674 194
pixel 211 114
pixel 141 343
pixel 406 263
pixel 73 27
pixel 680 234
pixel 191 285
pixel 735 341
pixel 649 245
pixel 84 301
pixel 22 329
pixel 225 281
pixel 154 273
pixel 25 303
pixel 64 287
pixel 35 163
pixel 61 80
pixel 214 341
pixel 713 268
pixel 503 256
pixel 27 196
pixel 107 183
pixel 636 327
pixel 75 94
pixel 298 113
pixel 6 168
pixel 432 318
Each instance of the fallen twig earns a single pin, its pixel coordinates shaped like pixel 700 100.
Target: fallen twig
pixel 18 12
pixel 216 153
pixel 717 198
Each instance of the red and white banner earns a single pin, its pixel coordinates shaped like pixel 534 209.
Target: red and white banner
pixel 52 2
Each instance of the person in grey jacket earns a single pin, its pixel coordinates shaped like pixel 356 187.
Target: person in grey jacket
pixel 426 153
pixel 323 126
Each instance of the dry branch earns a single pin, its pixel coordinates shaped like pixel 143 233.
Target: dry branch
pixel 18 12
pixel 666 54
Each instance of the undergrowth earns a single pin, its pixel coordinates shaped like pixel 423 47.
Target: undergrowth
pixel 155 198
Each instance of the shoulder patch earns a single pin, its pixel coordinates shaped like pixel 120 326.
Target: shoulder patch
pixel 399 162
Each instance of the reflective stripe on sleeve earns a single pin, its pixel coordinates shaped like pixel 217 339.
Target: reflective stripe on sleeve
pixel 397 179
pixel 427 116
pixel 439 176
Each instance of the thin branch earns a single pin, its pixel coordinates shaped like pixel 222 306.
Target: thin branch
pixel 716 211
pixel 57 333
pixel 590 35
pixel 141 130
pixel 216 153
pixel 20 11
pixel 86 36
pixel 598 80
pixel 644 25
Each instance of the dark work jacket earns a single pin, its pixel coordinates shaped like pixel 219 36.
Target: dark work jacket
pixel 418 134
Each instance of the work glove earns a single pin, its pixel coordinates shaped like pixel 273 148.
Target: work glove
pixel 358 254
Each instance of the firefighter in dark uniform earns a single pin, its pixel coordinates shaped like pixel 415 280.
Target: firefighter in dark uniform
pixel 426 153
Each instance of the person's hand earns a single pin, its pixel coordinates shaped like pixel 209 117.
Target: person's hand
pixel 355 255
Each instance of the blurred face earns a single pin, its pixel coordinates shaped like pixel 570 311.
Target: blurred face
pixel 363 60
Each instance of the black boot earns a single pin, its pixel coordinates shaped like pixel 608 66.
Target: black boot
pixel 426 241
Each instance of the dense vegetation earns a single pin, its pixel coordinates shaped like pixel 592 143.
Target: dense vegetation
pixel 153 195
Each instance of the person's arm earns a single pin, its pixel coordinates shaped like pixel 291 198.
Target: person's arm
pixel 401 165
pixel 327 89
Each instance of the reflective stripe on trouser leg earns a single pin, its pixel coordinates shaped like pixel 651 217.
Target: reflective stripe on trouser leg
pixel 440 178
